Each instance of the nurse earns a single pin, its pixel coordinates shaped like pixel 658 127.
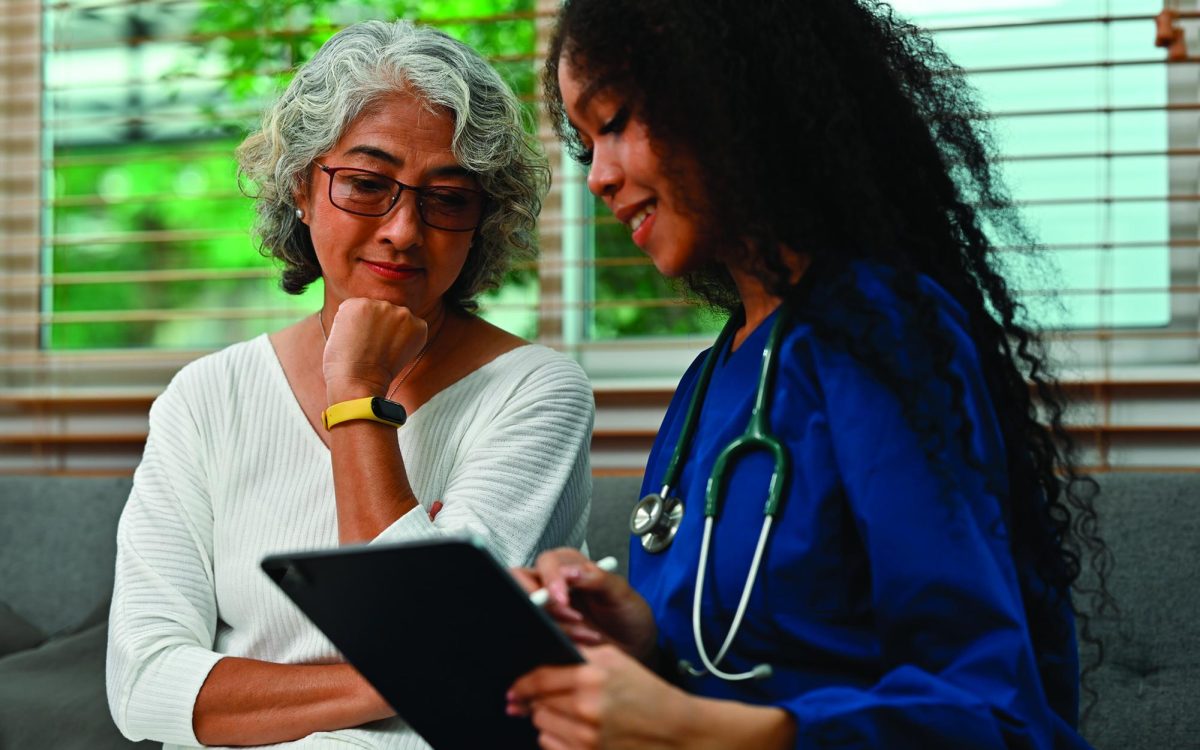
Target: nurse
pixel 885 555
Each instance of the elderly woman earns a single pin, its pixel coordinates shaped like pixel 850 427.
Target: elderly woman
pixel 394 168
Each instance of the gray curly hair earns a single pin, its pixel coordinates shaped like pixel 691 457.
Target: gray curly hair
pixel 355 68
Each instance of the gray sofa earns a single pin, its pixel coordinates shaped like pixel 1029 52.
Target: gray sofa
pixel 57 549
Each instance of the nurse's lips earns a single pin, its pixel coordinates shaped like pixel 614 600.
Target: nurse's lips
pixel 626 212
pixel 392 271
pixel 639 217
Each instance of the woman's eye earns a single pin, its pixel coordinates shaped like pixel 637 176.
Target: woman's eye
pixel 367 185
pixel 446 198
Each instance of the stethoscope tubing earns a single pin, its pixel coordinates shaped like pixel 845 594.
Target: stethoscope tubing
pixel 711 665
pixel 757 436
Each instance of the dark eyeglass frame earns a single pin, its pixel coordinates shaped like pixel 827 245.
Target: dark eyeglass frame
pixel 420 191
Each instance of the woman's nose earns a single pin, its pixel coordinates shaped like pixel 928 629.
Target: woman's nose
pixel 404 227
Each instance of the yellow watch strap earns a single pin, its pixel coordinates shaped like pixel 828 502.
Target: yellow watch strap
pixel 359 408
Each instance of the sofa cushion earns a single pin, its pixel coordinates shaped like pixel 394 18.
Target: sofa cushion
pixel 59 542
pixel 613 499
pixel 1147 683
pixel 16 633
pixel 53 696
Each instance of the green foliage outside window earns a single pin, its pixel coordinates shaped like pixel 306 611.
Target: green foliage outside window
pixel 633 298
pixel 126 214
pixel 110 203
pixel 139 202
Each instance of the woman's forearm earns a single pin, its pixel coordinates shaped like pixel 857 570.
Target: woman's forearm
pixel 249 702
pixel 369 480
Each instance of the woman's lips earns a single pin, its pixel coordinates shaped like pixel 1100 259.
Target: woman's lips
pixel 391 271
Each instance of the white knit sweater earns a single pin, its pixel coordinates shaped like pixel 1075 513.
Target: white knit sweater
pixel 233 471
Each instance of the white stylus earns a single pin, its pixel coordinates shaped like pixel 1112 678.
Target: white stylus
pixel 542 595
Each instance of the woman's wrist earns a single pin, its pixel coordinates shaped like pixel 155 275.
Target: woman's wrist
pixel 708 723
pixel 371 704
pixel 251 702
pixel 338 391
pixel 342 384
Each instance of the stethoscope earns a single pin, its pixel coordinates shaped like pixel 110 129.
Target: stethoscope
pixel 657 517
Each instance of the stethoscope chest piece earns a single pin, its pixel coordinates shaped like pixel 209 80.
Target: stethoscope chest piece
pixel 656 519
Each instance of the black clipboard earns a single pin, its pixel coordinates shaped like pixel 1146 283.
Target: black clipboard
pixel 467 628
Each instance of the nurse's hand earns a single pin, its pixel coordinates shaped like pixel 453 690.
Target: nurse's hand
pixel 615 703
pixel 611 701
pixel 592 607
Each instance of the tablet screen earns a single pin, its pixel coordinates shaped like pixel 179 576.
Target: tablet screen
pixel 438 627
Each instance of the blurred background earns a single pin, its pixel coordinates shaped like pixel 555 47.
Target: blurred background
pixel 125 249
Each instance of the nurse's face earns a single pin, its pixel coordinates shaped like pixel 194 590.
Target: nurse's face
pixel 629 176
pixel 397 257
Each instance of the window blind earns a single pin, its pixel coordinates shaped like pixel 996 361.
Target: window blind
pixel 1097 131
pixel 126 250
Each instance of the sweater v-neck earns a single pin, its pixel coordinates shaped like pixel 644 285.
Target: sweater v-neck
pixel 286 393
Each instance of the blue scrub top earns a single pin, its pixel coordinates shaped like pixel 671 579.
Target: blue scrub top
pixel 887 603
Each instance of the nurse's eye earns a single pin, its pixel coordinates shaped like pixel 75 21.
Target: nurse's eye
pixel 616 123
pixel 582 155
pixel 580 150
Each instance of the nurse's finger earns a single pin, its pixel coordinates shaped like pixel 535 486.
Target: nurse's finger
pixel 564 729
pixel 528 578
pixel 544 681
pixel 547 741
pixel 583 635
pixel 551 565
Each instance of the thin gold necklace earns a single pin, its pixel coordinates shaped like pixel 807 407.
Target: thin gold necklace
pixel 411 365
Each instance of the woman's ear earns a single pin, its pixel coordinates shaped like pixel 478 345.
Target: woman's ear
pixel 300 201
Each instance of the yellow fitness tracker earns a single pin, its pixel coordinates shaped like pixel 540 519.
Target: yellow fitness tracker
pixel 373 408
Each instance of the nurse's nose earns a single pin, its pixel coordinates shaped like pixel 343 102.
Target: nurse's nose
pixel 605 175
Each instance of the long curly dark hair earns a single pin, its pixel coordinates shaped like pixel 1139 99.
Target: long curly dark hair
pixel 837 128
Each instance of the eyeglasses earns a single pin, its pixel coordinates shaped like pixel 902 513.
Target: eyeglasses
pixel 366 193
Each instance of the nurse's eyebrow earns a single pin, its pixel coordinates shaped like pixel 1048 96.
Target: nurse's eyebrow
pixel 589 92
pixel 585 98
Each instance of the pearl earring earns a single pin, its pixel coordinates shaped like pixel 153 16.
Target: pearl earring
pixel 300 214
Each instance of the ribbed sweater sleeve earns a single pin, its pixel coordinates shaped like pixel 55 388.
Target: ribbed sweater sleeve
pixel 164 614
pixel 522 482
